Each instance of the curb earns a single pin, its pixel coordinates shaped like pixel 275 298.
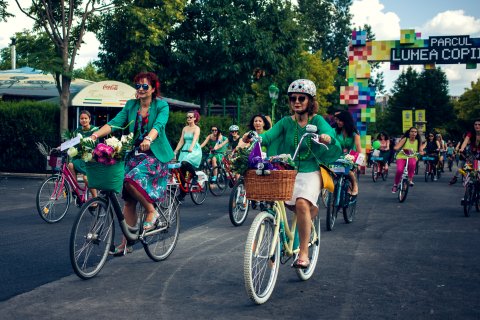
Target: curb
pixel 24 175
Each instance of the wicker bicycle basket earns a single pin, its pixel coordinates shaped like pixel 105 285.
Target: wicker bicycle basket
pixel 277 186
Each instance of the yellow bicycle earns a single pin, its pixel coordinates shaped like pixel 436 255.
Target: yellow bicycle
pixel 272 241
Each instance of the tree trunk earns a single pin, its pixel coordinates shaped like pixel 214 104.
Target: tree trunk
pixel 203 104
pixel 64 101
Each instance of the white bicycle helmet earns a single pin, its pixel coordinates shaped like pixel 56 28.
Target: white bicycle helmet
pixel 233 127
pixel 303 86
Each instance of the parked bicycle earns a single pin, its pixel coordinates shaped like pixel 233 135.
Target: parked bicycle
pixel 340 199
pixel 271 241
pixel 404 183
pixel 94 230
pixel 472 188
pixel 55 193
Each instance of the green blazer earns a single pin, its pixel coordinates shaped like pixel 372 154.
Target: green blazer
pixel 157 119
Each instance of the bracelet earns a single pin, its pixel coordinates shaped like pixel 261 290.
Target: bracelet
pixel 95 135
pixel 148 138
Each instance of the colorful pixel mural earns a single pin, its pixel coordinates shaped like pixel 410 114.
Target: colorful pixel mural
pixel 409 50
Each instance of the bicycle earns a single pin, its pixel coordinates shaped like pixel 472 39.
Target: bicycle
pixel 472 189
pixel 404 183
pixel 378 168
pixel 430 168
pixel 198 192
pixel 93 230
pixel 271 241
pixel 238 203
pixel 218 182
pixel 54 194
pixel 340 198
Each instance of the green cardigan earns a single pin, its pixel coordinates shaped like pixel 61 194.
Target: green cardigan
pixel 157 119
pixel 282 136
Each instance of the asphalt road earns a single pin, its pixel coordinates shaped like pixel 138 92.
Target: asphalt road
pixel 413 260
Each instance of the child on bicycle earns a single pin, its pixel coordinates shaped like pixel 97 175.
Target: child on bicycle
pixel 411 142
pixel 288 131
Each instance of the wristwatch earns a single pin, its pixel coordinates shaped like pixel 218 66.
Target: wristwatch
pixel 149 138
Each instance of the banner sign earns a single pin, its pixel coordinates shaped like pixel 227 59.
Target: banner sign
pixel 441 50
pixel 407 120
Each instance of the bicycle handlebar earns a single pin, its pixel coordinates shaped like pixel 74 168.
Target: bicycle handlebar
pixel 315 138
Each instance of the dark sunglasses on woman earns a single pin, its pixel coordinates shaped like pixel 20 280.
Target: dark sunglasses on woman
pixel 144 86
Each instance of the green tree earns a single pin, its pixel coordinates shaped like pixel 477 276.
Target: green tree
pixel 467 107
pixel 133 37
pixel 89 72
pixel 65 22
pixel 32 50
pixel 3 11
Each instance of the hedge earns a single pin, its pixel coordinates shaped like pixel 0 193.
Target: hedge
pixel 26 122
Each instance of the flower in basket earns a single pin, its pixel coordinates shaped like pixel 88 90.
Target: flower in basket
pixel 349 158
pixel 282 162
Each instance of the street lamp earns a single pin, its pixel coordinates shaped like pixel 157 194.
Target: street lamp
pixel 273 93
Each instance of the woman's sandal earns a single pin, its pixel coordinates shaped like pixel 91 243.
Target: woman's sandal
pixel 149 225
pixel 121 250
pixel 301 264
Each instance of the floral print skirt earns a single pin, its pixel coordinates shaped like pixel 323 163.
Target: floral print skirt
pixel 148 175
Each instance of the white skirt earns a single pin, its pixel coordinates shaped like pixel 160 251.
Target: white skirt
pixel 307 186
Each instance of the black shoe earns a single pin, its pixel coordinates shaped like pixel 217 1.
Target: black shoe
pixel 194 181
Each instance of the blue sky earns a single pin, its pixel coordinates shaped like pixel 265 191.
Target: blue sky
pixel 387 18
pixel 431 18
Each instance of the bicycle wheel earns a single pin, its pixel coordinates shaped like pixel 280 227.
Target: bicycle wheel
pixel 332 209
pixel 324 197
pixel 313 250
pixel 199 193
pixel 427 172
pixel 91 237
pixel 238 204
pixel 375 171
pixel 384 174
pixel 260 269
pixel 439 173
pixel 159 243
pixel 53 198
pixel 403 191
pixel 468 199
pixel 218 187
pixel 349 210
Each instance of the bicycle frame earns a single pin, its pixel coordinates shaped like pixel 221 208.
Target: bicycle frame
pixel 180 177
pixel 80 191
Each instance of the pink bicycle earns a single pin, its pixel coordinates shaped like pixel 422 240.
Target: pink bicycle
pixel 55 192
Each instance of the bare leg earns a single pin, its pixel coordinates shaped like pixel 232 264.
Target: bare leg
pixel 304 225
pixel 92 191
pixel 353 179
pixel 72 171
pixel 214 164
pixel 140 198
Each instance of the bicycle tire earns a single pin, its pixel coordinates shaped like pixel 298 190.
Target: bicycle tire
pixel 375 171
pixel 52 208
pixel 403 191
pixel 349 211
pixel 238 204
pixel 332 210
pixel 313 250
pixel 260 270
pixel 324 196
pixel 159 245
pixel 199 197
pixel 427 172
pixel 468 199
pixel 90 238
pixel 218 187
pixel 384 174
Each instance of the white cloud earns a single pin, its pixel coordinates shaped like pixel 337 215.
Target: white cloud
pixel 385 25
pixel 452 22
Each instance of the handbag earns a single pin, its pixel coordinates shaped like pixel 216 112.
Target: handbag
pixel 327 180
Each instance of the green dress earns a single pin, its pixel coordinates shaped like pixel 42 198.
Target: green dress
pixel 78 163
pixel 219 152
pixel 347 143
pixel 194 157
pixel 288 132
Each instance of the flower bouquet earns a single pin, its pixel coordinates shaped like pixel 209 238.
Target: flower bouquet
pixel 268 179
pixel 105 161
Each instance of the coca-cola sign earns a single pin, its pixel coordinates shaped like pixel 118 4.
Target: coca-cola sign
pixel 110 87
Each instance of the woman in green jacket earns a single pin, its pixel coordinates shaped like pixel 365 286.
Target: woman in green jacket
pixel 146 173
pixel 285 135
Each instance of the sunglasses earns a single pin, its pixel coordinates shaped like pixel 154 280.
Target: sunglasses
pixel 214 130
pixel 300 99
pixel 190 117
pixel 144 86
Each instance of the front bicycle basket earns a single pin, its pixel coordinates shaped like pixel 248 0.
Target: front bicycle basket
pixel 277 186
